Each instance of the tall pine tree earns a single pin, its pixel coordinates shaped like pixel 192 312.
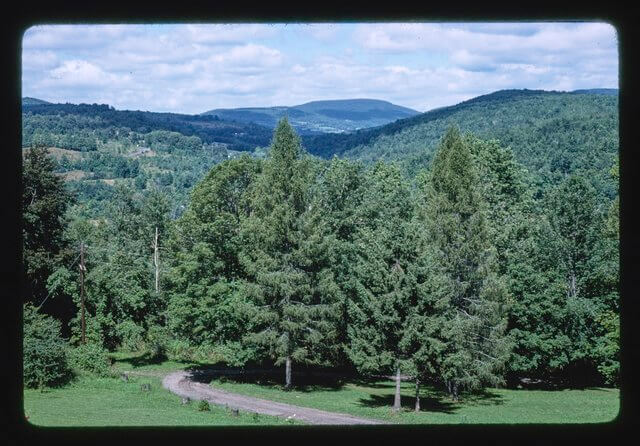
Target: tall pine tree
pixel 381 279
pixel 475 314
pixel 286 256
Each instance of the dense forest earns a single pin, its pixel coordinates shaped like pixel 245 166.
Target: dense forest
pixel 71 126
pixel 461 257
pixel 550 133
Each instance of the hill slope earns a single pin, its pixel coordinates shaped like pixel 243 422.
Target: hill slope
pixel 551 133
pixel 333 116
pixel 69 118
pixel 33 101
pixel 97 148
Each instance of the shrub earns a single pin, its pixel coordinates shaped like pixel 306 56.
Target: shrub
pixel 179 350
pixel 92 358
pixel 44 350
pixel 203 406
pixel 156 342
pixel 131 336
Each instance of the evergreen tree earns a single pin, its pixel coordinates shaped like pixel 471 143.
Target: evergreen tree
pixel 475 314
pixel 286 256
pixel 381 279
pixel 342 186
pixel 44 203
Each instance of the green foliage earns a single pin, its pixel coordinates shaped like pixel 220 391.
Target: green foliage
pixel 553 134
pixel 203 406
pixel 476 300
pixel 380 276
pixel 131 336
pixel 44 202
pixel 207 305
pixel 564 274
pixel 79 126
pixel 294 259
pixel 157 340
pixel 607 349
pixel 44 356
pixel 286 256
pixel 90 357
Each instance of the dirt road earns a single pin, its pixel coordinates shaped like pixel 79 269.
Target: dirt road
pixel 181 383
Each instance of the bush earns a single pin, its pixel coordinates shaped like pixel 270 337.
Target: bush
pixel 203 406
pixel 92 358
pixel 44 350
pixel 131 336
pixel 157 342
pixel 179 350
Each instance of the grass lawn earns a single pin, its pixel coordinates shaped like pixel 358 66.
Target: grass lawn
pixel 109 401
pixel 503 406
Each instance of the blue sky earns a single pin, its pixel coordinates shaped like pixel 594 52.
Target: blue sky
pixel 192 68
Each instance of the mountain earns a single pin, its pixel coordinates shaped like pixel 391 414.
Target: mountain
pixel 333 116
pixel 551 133
pixel 63 119
pixel 33 101
pixel 607 91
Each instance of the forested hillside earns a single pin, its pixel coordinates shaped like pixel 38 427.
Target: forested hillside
pixel 553 134
pixel 72 126
pixel 96 148
pixel 473 248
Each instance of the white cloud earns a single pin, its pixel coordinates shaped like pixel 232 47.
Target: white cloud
pixel 197 67
pixel 58 37
pixel 34 60
pixel 83 74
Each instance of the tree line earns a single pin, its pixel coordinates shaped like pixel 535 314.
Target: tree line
pixel 461 276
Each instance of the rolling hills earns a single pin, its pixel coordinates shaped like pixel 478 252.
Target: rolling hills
pixel 333 116
pixel 551 133
pixel 66 119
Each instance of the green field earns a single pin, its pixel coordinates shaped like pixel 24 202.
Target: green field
pixel 109 401
pixel 503 406
pixel 112 402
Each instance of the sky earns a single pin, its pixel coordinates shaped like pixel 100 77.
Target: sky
pixel 192 68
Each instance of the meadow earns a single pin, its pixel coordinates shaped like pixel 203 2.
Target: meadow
pixel 110 401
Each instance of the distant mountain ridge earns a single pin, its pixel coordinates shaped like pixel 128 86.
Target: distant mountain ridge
pixel 355 144
pixel 606 91
pixel 33 101
pixel 41 116
pixel 329 116
pixel 552 133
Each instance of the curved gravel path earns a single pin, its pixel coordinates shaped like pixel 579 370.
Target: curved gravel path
pixel 181 384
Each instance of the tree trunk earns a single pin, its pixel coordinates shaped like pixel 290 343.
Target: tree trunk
pixel 156 260
pixel 417 395
pixel 452 387
pixel 396 401
pixel 287 373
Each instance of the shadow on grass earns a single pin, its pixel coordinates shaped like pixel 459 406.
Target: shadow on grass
pixel 438 401
pixel 146 359
pixel 142 360
pixel 485 397
pixel 302 381
pixel 427 404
